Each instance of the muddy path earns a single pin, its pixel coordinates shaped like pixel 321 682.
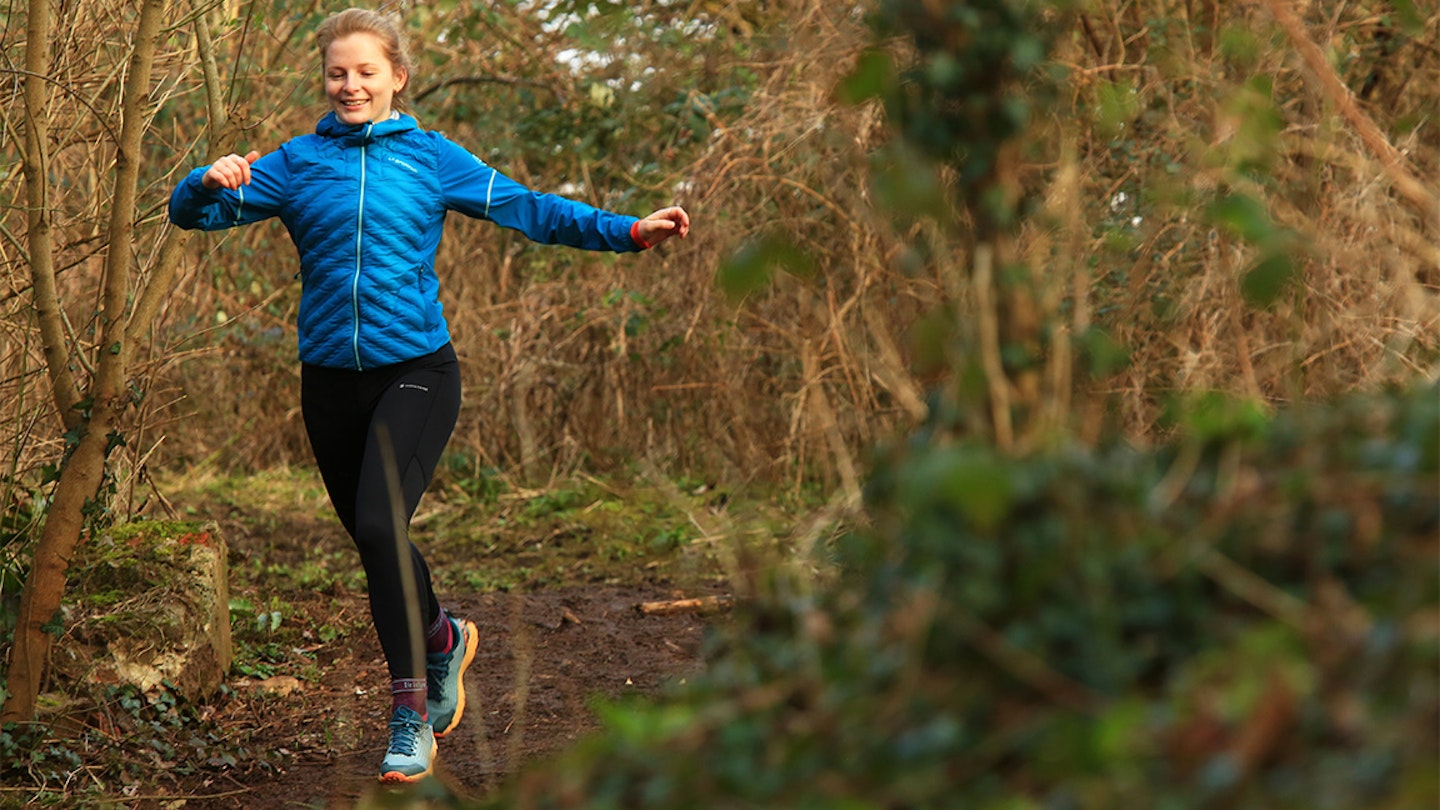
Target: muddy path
pixel 549 646
pixel 544 658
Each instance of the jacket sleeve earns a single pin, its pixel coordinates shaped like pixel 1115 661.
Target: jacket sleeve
pixel 477 190
pixel 194 206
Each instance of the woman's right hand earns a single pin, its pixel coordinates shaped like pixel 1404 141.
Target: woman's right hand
pixel 231 171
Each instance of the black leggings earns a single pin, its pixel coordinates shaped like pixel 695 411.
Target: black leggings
pixel 361 423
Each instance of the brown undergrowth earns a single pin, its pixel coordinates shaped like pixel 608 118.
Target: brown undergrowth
pixel 584 362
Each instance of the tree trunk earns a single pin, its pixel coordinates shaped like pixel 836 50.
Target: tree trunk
pixel 84 471
pixel 40 598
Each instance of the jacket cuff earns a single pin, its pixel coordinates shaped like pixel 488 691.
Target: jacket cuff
pixel 635 236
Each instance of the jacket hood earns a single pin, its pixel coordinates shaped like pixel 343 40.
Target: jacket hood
pixel 332 127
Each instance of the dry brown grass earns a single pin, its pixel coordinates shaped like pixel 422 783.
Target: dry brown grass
pixel 1367 314
pixel 796 382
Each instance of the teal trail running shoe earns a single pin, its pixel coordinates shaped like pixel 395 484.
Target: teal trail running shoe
pixel 411 755
pixel 445 678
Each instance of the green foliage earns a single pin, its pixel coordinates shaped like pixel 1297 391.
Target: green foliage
pixel 1238 627
pixel 27 749
pixel 575 533
pixel 1246 218
pixel 753 265
pixel 960 101
pixel 131 737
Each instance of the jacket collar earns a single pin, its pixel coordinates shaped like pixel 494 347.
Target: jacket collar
pixel 332 127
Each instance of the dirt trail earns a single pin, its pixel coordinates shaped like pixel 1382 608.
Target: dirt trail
pixel 543 657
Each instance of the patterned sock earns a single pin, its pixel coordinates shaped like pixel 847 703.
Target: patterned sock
pixel 408 692
pixel 437 635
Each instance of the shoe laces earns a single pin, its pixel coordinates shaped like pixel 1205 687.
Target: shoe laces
pixel 404 733
pixel 437 669
pixel 437 665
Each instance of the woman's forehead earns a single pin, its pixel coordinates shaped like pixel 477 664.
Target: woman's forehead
pixel 360 48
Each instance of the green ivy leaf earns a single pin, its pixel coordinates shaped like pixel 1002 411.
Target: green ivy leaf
pixel 977 483
pixel 1217 415
pixel 1263 284
pixel 1242 215
pixel 1408 16
pixel 55 626
pixel 1116 104
pixel 873 77
pixel 1104 354
pixel 908 186
pixel 752 266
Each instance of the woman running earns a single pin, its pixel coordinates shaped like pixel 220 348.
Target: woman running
pixel 364 199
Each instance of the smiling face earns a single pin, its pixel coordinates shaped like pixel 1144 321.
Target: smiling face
pixel 360 80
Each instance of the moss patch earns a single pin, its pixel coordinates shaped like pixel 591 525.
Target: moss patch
pixel 148 603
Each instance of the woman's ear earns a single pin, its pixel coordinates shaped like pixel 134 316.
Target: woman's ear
pixel 402 78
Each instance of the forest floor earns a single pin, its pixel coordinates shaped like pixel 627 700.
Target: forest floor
pixel 551 578
pixel 543 658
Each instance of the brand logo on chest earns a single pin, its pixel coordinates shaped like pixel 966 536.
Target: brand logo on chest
pixel 398 162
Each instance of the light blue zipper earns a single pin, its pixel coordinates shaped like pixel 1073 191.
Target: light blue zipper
pixel 359 232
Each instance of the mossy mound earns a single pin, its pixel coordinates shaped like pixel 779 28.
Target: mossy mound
pixel 148 604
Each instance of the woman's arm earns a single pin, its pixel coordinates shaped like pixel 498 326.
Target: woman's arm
pixel 475 189
pixel 232 191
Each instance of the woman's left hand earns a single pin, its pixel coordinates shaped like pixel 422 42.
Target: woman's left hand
pixel 662 225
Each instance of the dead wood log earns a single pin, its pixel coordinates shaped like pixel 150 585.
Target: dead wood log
pixel 701 605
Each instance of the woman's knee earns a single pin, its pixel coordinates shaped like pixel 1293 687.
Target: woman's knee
pixel 376 538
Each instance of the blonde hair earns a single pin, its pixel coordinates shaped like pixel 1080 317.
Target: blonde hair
pixel 382 27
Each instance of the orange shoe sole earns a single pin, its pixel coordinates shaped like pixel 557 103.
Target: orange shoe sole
pixel 472 635
pixel 397 778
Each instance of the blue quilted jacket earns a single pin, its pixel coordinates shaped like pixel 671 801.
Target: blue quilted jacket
pixel 365 206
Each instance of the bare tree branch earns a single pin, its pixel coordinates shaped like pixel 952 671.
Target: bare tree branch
pixel 206 48
pixel 99 119
pixel 441 85
pixel 1415 192
pixel 36 164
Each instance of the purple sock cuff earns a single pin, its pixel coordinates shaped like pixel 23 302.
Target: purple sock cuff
pixel 438 626
pixel 438 635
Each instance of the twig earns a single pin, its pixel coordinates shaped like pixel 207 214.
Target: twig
pixel 441 85
pixel 670 607
pixel 163 797
pixel 998 384
pixel 1254 588
pixel 97 118
pixel 1344 100
pixel 1030 668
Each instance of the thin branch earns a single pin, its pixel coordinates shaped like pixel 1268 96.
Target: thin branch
pixel 115 345
pixel 240 51
pixel 1344 100
pixel 988 312
pixel 441 85
pixel 68 90
pixel 205 47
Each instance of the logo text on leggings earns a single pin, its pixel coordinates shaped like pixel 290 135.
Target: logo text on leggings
pixel 416 387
